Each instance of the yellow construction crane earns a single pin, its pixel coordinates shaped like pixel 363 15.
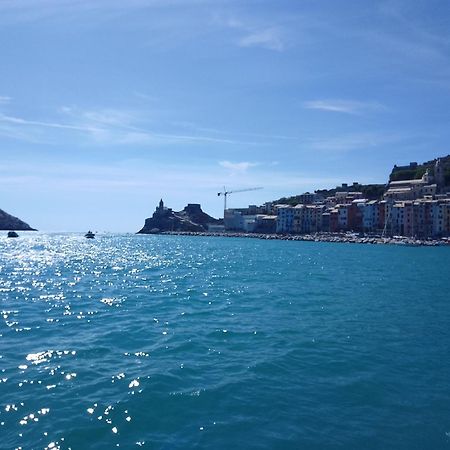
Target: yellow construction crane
pixel 225 194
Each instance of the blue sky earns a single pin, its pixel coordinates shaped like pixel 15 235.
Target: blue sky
pixel 108 105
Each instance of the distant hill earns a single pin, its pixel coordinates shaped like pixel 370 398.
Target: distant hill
pixel 414 171
pixel 370 191
pixel 9 222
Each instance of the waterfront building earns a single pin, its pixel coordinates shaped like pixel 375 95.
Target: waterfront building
pixel 402 219
pixel 423 218
pixel 308 218
pixel 233 220
pixel 441 217
pixel 266 224
pixel 334 220
pixel 285 218
pixel 355 215
pixel 326 222
pixel 342 216
pixel 370 211
pixel 297 226
pixel 447 219
pixel 313 218
pixel 237 220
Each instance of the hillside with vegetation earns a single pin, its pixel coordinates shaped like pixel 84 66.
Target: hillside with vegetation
pixel 370 191
pixel 415 171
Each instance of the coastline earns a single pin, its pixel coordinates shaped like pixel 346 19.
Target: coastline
pixel 348 238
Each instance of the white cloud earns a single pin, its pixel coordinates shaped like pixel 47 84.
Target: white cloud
pixel 263 35
pixel 4 99
pixel 343 106
pixel 19 121
pixel 354 141
pixel 29 11
pixel 103 126
pixel 268 38
pixel 240 167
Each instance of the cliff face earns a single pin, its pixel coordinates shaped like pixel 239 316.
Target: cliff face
pixel 191 218
pixel 8 222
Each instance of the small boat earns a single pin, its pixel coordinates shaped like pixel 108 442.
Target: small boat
pixel 89 235
pixel 12 234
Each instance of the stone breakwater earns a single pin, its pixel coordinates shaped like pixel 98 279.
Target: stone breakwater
pixel 350 238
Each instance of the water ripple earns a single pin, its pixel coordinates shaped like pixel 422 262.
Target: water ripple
pixel 177 342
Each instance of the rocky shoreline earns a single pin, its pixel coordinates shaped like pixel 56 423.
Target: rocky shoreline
pixel 352 238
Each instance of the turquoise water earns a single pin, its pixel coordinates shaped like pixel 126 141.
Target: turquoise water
pixel 170 342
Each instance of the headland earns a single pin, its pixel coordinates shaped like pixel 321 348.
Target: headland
pixel 191 219
pixel 12 223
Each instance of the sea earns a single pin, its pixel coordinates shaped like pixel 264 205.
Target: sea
pixel 177 342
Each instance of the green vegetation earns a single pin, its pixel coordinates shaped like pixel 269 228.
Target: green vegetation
pixel 369 191
pixel 292 201
pixel 447 176
pixel 373 191
pixel 415 173
pixel 409 174
pixel 376 191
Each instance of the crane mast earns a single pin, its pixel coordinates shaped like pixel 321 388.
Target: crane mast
pixel 225 194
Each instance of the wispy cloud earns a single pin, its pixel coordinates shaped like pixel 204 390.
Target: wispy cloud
pixel 264 35
pixel 20 121
pixel 193 127
pixel 104 127
pixel 344 106
pixel 132 175
pixel 269 38
pixel 354 141
pixel 4 99
pixel 239 167
pixel 409 40
pixel 146 97
pixel 28 11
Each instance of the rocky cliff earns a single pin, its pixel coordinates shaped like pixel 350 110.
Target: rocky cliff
pixel 191 218
pixel 8 222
